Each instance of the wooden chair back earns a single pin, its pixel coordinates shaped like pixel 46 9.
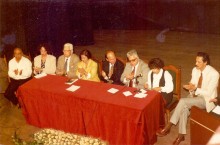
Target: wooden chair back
pixel 176 74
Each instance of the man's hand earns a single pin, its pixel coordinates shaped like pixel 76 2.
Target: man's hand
pixel 146 86
pixel 20 73
pixel 129 76
pixel 103 74
pixel 190 87
pixel 213 100
pixel 60 72
pixel 16 71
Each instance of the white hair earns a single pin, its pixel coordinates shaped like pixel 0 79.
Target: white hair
pixel 132 52
pixel 70 46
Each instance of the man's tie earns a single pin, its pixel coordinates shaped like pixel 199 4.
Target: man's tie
pixel 131 81
pixel 199 85
pixel 65 66
pixel 111 71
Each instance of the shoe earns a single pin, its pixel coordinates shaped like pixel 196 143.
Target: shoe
pixel 162 132
pixel 178 140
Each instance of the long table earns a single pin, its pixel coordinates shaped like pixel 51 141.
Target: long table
pixel 92 110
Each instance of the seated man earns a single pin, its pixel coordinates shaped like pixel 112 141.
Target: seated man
pixel 160 80
pixel 202 89
pixel 112 69
pixel 3 75
pixel 20 70
pixel 67 63
pixel 135 72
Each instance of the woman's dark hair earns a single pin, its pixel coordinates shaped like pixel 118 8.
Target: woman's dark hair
pixel 205 57
pixel 87 53
pixel 46 46
pixel 156 63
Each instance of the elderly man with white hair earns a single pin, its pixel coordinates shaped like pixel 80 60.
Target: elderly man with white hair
pixel 67 63
pixel 136 71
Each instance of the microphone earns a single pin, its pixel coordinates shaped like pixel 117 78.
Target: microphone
pixel 138 76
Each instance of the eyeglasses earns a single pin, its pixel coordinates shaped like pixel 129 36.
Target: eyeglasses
pixel 66 50
pixel 132 60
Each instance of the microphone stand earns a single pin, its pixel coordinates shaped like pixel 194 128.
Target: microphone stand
pixel 137 82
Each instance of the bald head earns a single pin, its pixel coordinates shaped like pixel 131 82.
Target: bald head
pixel 110 57
pixel 18 54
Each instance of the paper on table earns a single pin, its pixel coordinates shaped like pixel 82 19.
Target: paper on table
pixel 73 88
pixel 127 93
pixel 71 81
pixel 40 75
pixel 113 90
pixel 216 110
pixel 143 91
pixel 140 95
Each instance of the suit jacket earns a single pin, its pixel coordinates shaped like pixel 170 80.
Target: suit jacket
pixel 117 72
pixel 209 86
pixel 74 59
pixel 91 68
pixel 142 69
pixel 3 75
pixel 50 64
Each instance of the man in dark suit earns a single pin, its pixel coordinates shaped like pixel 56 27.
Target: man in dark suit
pixel 136 71
pixel 112 68
pixel 67 63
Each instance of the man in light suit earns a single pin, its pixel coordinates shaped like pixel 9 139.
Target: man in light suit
pixel 67 63
pixel 135 72
pixel 202 89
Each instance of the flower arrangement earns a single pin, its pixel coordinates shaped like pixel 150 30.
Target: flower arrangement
pixel 55 137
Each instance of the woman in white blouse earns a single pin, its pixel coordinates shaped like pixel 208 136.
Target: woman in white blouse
pixel 44 62
pixel 160 80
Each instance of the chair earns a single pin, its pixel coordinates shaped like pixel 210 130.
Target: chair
pixel 99 63
pixel 176 74
pixel 122 60
pixel 5 60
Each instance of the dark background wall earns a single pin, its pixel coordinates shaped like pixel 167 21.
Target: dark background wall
pixel 60 21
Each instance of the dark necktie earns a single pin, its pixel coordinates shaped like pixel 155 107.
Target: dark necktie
pixel 131 81
pixel 65 65
pixel 199 85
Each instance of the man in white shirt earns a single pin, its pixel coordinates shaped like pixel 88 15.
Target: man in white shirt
pixel 19 71
pixel 160 80
pixel 202 89
pixel 135 72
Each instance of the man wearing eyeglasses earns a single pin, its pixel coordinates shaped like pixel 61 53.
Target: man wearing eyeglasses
pixel 135 72
pixel 67 63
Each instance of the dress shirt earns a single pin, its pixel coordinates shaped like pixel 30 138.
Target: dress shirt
pixel 24 64
pixel 156 81
pixel 209 86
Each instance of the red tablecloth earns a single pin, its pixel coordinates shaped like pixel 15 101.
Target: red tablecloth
pixel 91 110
